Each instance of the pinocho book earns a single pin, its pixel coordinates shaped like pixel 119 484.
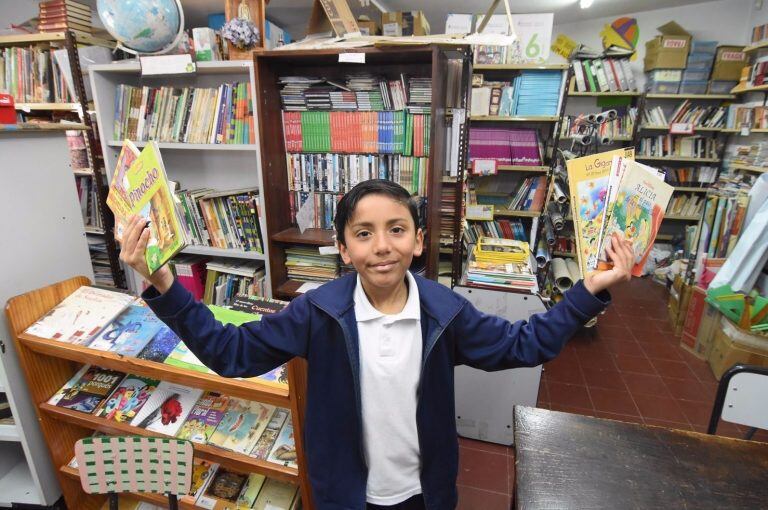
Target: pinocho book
pixel 149 195
pixel 588 179
pixel 641 200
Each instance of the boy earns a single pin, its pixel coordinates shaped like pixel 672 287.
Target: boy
pixel 381 347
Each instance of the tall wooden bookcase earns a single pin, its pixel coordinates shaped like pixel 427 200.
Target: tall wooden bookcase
pixel 48 364
pixel 422 61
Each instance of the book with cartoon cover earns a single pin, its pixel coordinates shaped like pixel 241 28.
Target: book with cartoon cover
pixel 127 399
pixel 130 332
pixel 284 450
pixel 269 436
pixel 242 426
pixel 94 386
pixel 204 417
pixel 182 357
pixel 223 490
pixel 276 494
pixel 167 408
pixel 161 345
pixel 117 198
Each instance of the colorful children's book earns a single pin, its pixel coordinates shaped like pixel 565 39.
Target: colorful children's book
pixel 223 491
pixel 95 385
pixel 202 474
pixel 276 495
pixel 127 399
pixel 149 195
pixel 117 199
pixel 637 212
pixel 284 450
pixel 54 400
pixel 161 345
pixel 167 408
pixel 588 178
pixel 242 426
pixel 129 333
pixel 81 315
pixel 182 357
pixel 269 436
pixel 204 417
pixel 251 490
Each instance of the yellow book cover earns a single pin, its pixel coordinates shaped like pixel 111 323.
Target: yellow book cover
pixel 150 196
pixel 588 182
pixel 117 199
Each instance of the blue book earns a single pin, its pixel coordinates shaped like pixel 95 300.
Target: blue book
pixel 129 333
pixel 161 346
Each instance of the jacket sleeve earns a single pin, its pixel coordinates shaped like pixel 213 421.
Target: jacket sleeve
pixel 233 351
pixel 490 343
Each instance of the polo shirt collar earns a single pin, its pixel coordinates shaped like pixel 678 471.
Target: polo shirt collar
pixel 365 311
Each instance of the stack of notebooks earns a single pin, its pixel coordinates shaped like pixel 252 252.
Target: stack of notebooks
pixel 102 269
pixel 501 264
pixel 419 95
pixel 307 264
pixel 505 146
pixel 61 15
pixel 538 93
pixel 292 91
pixel 603 75
pixel 754 153
pixel 610 193
pixel 678 146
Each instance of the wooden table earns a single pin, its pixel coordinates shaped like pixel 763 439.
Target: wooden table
pixel 569 461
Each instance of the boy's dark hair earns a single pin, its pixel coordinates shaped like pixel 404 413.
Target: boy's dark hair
pixel 349 201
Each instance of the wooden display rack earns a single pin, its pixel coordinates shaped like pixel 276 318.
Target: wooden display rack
pixel 48 365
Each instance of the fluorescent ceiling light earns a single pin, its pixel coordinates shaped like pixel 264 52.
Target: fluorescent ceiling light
pixel 585 4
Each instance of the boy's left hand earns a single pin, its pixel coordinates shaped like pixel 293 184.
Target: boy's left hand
pixel 623 258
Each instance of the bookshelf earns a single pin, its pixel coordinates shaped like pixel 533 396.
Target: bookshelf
pixel 419 62
pixel 76 109
pixel 48 364
pixel 193 165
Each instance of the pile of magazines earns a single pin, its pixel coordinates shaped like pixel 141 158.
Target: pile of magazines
pixel 501 264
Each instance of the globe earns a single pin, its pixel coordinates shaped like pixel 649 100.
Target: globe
pixel 143 26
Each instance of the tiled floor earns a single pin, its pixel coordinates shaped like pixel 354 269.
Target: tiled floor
pixel 630 367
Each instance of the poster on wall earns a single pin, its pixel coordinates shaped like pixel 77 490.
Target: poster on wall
pixel 534 33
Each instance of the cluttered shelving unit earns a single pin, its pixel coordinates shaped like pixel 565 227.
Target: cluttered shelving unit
pixel 66 109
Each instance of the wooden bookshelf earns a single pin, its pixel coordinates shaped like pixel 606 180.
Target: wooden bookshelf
pixel 223 252
pixel 691 189
pixel 665 127
pixel 677 158
pixel 516 118
pixel 69 107
pixel 758 88
pixel 52 37
pixel 737 130
pixel 519 67
pixel 417 61
pixel 289 289
pixel 47 365
pixel 704 97
pixel 507 213
pixel 43 126
pixel 756 46
pixel 680 217
pixel 748 168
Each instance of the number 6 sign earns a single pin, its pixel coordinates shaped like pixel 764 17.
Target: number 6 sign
pixel 534 32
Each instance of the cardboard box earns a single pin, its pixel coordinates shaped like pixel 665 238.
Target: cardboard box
pixel 668 50
pixel 721 87
pixel 367 27
pixel 679 296
pixel 729 62
pixel 732 346
pixel 404 23
pixel 692 323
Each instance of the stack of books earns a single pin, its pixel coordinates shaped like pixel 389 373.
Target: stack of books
pixel 505 146
pixel 754 115
pixel 419 95
pixel 30 75
pixel 604 75
pixel 501 264
pixel 61 15
pixel 306 264
pixel 538 93
pixel 292 91
pixel 690 176
pixel 686 204
pixel 753 154
pixel 678 146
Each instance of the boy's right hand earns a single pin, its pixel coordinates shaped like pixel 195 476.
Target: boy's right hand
pixel 132 252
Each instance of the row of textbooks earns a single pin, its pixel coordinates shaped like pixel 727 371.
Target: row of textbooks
pixel 261 431
pixel 219 281
pixel 185 115
pixel 622 126
pixel 722 222
pixel 506 146
pixel 384 132
pixel 501 264
pixel 531 93
pixel 338 173
pixel 32 75
pixel 754 115
pixel 604 75
pixel 307 264
pixel 610 193
pixel 686 204
pixel 112 321
pixel 678 146
pixel 500 229
pixel 691 176
pixel 687 113
pixel 362 92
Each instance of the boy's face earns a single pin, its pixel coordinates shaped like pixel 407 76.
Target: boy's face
pixel 381 241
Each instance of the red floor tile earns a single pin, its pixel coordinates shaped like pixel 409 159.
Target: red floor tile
pixel 483 470
pixel 570 373
pixel 629 348
pixel 597 358
pixel 687 389
pixel 644 384
pixel 659 408
pixel 569 395
pixel 697 413
pixel 471 498
pixel 702 371
pixel 619 332
pixel 635 364
pixel 511 472
pixel 484 446
pixel 613 401
pixel 675 369
pixel 659 350
pixel 608 379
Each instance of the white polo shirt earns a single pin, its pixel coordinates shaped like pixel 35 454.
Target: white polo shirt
pixel 390 366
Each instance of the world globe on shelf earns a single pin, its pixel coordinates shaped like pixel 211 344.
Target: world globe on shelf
pixel 143 26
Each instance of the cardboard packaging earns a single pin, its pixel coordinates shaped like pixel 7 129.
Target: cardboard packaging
pixel 668 50
pixel 7 109
pixel 729 61
pixel 733 345
pixel 699 326
pixel 367 26
pixel 404 23
pixel 677 306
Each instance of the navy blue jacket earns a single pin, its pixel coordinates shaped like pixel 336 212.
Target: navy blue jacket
pixel 321 327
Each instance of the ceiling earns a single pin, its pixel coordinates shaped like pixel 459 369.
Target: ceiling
pixel 293 14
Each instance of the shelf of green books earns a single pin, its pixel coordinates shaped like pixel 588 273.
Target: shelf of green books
pixel 628 93
pixel 43 126
pixel 195 146
pixel 665 127
pixel 530 118
pixel 248 389
pixel 640 157
pixel 47 106
pixel 227 458
pixel 522 168
pixel 514 67
pixel 712 97
pixel 692 189
pixel 758 88
pixel 680 217
pixel 312 236
pixel 749 168
pixel 194 249
pixel 503 213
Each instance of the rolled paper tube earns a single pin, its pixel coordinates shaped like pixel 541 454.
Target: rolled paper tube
pixel 549 231
pixel 556 216
pixel 563 280
pixel 610 115
pixel 591 117
pixel 573 269
pixel 584 139
pixel 542 253
pixel 605 140
pixel 599 119
pixel 557 191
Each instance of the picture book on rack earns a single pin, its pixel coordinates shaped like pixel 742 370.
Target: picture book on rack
pixel 130 332
pixel 127 399
pixel 147 192
pixel 204 417
pixel 167 408
pixel 284 450
pixel 93 387
pixel 161 345
pixel 242 426
pixel 269 436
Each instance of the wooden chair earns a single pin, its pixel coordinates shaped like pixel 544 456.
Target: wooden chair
pixel 741 398
pixel 111 465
